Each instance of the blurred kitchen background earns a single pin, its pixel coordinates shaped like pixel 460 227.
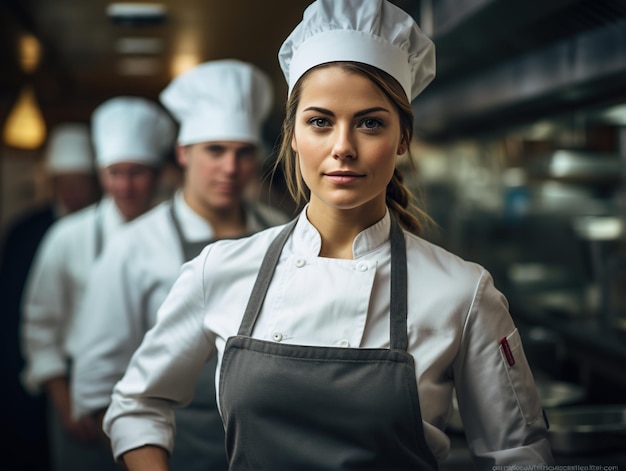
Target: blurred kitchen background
pixel 520 149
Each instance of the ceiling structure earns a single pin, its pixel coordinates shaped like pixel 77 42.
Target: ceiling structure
pixel 509 62
pixel 498 60
pixel 83 62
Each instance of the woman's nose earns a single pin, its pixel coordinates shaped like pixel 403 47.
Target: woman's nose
pixel 343 147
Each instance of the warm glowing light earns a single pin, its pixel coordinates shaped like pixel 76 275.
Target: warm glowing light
pixel 25 127
pixel 30 53
pixel 186 54
pixel 183 62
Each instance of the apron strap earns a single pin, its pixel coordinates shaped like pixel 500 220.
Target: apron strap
pixel 99 230
pixel 263 280
pixel 189 249
pixel 398 337
pixel 398 304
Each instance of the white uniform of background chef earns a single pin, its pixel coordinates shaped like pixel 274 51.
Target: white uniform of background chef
pixel 344 352
pixel 221 107
pixel 130 137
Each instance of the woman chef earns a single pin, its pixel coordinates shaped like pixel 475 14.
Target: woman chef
pixel 339 336
pixel 130 137
pixel 221 106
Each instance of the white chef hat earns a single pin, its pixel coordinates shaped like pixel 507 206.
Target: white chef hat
pixel 223 100
pixel 69 149
pixel 131 129
pixel 373 32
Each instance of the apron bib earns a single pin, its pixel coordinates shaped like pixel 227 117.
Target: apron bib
pixel 295 407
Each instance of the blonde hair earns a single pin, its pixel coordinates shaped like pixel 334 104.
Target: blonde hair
pixel 401 202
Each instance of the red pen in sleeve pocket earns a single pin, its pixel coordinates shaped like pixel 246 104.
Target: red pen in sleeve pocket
pixel 507 351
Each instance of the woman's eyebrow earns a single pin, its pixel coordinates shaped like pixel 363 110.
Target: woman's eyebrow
pixel 319 110
pixel 357 114
pixel 371 110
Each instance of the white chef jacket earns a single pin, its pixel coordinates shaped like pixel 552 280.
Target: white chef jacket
pixel 125 290
pixel 55 287
pixel 456 320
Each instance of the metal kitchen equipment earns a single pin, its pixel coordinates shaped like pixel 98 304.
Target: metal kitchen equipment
pixel 587 429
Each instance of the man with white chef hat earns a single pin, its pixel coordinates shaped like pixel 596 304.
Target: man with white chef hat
pixel 69 162
pixel 71 184
pixel 221 106
pixel 131 136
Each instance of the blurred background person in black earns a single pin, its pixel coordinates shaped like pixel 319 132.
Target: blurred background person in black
pixel 73 185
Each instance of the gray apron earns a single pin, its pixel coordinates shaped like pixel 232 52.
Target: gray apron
pixel 199 444
pixel 295 407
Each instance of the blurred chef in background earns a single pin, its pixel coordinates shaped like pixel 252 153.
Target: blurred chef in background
pixel 69 162
pixel 130 137
pixel 221 106
pixel 72 184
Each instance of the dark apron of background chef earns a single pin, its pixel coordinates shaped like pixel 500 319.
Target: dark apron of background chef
pixel 294 407
pixel 199 442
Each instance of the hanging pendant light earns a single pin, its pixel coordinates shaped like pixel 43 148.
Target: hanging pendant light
pixel 25 127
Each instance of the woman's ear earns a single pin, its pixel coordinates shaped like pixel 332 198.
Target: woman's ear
pixel 294 145
pixel 403 146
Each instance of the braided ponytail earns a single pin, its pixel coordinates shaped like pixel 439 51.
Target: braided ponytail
pixel 402 204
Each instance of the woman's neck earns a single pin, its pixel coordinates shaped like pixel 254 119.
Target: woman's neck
pixel 339 227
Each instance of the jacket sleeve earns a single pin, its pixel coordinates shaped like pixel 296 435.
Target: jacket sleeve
pixel 47 308
pixel 498 400
pixel 163 371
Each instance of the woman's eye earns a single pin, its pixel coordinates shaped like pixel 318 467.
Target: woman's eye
pixel 318 122
pixel 371 123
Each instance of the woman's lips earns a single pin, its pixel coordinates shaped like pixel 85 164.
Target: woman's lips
pixel 343 178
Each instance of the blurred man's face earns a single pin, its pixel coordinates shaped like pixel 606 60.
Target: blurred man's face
pixel 217 173
pixel 131 185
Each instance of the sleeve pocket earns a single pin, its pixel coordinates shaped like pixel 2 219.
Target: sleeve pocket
pixel 520 377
